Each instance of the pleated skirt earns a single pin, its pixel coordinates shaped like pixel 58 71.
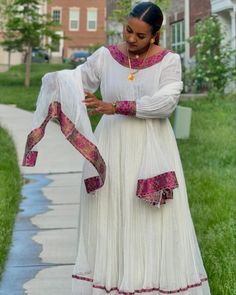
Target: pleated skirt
pixel 125 245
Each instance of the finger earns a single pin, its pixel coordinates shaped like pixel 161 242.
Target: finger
pixel 89 94
pixel 91 102
pixel 92 105
pixel 92 112
pixel 89 99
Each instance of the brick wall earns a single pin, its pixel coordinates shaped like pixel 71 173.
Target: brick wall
pixel 82 38
pixel 199 9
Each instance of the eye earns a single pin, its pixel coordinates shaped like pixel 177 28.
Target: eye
pixel 129 30
pixel 141 36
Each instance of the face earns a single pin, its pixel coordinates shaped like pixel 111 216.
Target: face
pixel 137 35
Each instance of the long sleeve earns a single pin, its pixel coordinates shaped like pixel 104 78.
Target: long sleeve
pixel 91 70
pixel 165 100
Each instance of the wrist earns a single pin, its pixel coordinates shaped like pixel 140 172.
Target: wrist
pixel 114 106
pixel 126 107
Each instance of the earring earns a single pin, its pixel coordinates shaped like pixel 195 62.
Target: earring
pixel 152 41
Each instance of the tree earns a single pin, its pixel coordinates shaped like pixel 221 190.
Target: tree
pixel 214 65
pixel 25 29
pixel 8 46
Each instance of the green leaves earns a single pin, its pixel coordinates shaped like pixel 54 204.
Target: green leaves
pixel 214 64
pixel 26 28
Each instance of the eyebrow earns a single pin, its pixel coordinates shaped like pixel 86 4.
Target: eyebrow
pixel 138 33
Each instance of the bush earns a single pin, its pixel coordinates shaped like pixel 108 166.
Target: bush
pixel 214 68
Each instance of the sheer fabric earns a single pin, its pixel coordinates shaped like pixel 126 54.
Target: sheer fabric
pixel 60 98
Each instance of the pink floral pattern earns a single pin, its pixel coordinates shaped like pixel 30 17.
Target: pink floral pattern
pixel 140 291
pixel 30 158
pixel 79 141
pixel 158 189
pixel 126 107
pixel 136 63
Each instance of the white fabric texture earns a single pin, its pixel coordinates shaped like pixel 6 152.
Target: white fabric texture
pixel 124 244
pixel 66 88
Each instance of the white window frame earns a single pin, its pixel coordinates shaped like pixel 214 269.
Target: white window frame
pixel 61 45
pixel 92 9
pixel 181 42
pixel 70 19
pixel 57 9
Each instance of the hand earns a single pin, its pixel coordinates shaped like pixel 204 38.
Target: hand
pixel 98 106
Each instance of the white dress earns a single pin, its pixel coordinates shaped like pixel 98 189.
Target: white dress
pixel 126 245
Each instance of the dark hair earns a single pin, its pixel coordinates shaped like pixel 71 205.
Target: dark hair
pixel 150 14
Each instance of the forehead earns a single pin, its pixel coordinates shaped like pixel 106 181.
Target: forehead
pixel 138 25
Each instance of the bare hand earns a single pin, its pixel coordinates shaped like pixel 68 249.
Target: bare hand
pixel 98 106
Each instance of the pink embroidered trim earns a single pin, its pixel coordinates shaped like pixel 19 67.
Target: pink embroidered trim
pixel 122 59
pixel 79 141
pixel 142 290
pixel 125 107
pixel 30 158
pixel 158 189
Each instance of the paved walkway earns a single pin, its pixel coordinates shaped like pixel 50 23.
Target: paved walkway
pixel 44 240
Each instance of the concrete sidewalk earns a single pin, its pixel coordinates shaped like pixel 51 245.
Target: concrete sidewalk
pixel 44 241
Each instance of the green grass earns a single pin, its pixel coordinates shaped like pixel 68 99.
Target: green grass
pixel 209 162
pixel 10 186
pixel 12 89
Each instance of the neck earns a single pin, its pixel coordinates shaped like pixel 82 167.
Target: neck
pixel 139 52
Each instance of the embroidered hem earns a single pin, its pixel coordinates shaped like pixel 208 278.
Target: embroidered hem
pixel 158 189
pixel 79 141
pixel 125 107
pixel 141 290
pixel 122 59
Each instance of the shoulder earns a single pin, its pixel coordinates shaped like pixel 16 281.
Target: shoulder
pixel 172 57
pixel 99 52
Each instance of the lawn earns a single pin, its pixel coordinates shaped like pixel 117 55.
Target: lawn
pixel 11 90
pixel 10 187
pixel 209 162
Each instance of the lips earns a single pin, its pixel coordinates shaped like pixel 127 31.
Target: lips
pixel 131 45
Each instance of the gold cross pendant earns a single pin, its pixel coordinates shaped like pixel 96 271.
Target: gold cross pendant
pixel 131 77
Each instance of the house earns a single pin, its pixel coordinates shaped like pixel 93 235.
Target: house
pixel 82 23
pixel 226 11
pixel 180 20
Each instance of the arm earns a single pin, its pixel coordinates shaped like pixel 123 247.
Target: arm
pixel 165 100
pixel 91 70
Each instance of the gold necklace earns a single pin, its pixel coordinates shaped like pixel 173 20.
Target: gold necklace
pixel 131 76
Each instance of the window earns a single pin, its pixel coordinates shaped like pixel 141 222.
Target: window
pixel 177 37
pixel 74 19
pixel 56 15
pixel 92 19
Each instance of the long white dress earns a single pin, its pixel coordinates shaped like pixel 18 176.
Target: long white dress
pixel 126 245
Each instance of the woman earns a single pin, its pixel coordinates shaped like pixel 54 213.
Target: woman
pixel 126 245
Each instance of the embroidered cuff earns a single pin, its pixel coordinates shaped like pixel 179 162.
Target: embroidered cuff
pixel 125 107
pixel 158 189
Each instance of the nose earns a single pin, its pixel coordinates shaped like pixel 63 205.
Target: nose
pixel 131 38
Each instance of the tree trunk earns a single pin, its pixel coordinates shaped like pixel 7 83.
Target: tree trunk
pixel 9 59
pixel 28 66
